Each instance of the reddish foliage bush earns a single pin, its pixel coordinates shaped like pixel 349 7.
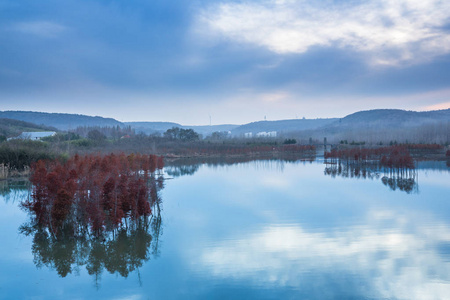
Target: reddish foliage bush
pixel 93 190
pixel 396 157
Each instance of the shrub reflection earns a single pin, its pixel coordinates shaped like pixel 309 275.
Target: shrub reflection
pixel 405 180
pixel 122 251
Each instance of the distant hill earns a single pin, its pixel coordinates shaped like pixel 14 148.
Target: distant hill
pixel 384 125
pixel 370 119
pixel 372 125
pixel 390 118
pixel 161 127
pixel 59 120
pixel 152 127
pixel 13 128
pixel 375 124
pixel 282 126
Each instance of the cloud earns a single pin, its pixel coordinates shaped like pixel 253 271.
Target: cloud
pixel 419 101
pixel 444 105
pixel 393 255
pixel 275 97
pixel 390 32
pixel 42 29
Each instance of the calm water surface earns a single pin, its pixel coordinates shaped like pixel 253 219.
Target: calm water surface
pixel 256 230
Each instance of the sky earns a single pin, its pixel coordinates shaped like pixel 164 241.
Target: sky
pixel 231 62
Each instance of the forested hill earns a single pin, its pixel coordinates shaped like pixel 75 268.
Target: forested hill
pixel 387 118
pixel 12 128
pixel 59 120
pixel 378 119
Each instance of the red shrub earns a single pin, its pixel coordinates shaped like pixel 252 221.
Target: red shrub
pixel 101 190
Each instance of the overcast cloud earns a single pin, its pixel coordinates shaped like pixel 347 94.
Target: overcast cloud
pixel 390 32
pixel 237 61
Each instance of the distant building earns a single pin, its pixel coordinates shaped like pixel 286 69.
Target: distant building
pixel 248 135
pixel 261 134
pixel 35 136
pixel 264 134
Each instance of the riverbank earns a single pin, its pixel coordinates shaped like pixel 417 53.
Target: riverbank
pixel 7 173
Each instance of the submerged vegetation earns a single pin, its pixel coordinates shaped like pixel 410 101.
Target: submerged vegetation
pixel 94 194
pixel 393 158
pixel 97 211
pixel 395 164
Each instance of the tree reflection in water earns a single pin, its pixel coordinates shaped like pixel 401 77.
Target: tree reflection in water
pixel 408 185
pixel 182 170
pixel 13 190
pixel 189 166
pixel 403 180
pixel 122 251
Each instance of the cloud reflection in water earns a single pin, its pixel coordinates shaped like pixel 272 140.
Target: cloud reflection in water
pixel 390 256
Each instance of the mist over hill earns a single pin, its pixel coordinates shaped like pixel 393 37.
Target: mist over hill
pixel 282 126
pixel 152 127
pixel 383 118
pixel 160 127
pixel 208 129
pixel 383 125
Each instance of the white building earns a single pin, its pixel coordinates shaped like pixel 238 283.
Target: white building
pixel 261 134
pixel 264 134
pixel 35 136
pixel 248 135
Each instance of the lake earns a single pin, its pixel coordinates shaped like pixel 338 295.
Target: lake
pixel 252 230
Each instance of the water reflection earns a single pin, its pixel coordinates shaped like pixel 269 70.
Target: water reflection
pixel 387 257
pixel 12 190
pixel 181 170
pixel 436 166
pixel 189 166
pixel 121 252
pixel 260 230
pixel 403 180
pixel 407 185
